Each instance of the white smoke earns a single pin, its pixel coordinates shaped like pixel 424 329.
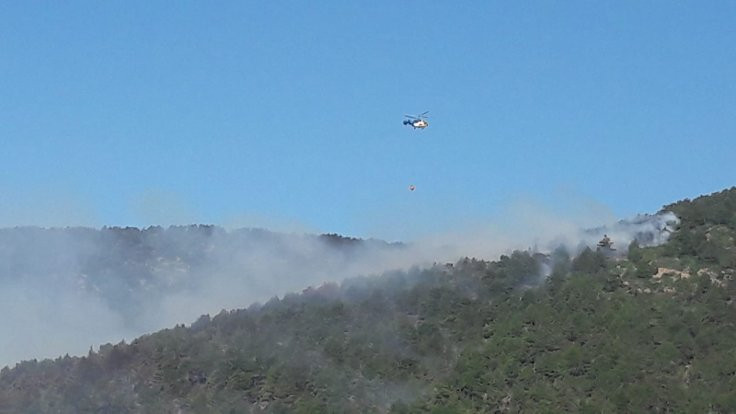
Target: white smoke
pixel 64 290
pixel 646 229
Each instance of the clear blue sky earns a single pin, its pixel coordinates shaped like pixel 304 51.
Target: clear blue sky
pixel 289 113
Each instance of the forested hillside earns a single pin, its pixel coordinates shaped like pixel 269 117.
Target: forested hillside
pixel 649 331
pixel 63 289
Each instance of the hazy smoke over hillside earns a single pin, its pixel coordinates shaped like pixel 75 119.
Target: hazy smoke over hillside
pixel 64 290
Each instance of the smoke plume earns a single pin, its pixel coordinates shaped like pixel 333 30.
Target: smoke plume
pixel 64 290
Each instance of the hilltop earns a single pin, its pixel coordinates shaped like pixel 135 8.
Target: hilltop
pixel 82 286
pixel 650 330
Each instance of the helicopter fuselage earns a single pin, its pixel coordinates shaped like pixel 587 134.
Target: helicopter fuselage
pixel 417 123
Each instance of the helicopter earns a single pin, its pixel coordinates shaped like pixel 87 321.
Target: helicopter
pixel 418 121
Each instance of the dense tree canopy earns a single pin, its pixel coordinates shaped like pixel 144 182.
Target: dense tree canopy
pixel 649 332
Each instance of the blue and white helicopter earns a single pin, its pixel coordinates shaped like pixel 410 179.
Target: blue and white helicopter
pixel 419 121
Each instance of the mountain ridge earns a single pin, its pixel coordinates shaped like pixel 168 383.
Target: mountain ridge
pixel 591 333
